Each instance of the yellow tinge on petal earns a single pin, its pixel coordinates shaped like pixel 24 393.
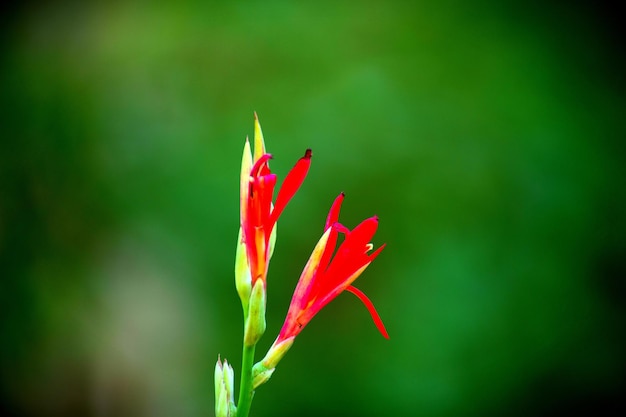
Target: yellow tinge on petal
pixel 272 242
pixel 311 266
pixel 242 267
pixel 244 184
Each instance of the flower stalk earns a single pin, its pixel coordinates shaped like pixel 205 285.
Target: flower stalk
pixel 246 390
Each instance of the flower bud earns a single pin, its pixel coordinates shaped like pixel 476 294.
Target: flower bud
pixel 255 322
pixel 224 389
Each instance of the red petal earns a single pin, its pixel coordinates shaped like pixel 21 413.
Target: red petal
pixel 290 185
pixel 370 306
pixel 333 214
pixel 363 233
pixel 351 254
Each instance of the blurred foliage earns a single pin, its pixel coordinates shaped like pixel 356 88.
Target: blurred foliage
pixel 489 139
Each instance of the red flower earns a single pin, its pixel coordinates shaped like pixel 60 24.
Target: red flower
pixel 324 279
pixel 258 215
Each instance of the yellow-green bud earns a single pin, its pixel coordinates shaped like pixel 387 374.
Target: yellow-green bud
pixel 224 389
pixel 219 381
pixel 255 322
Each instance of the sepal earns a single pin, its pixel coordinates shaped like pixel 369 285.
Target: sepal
pixel 261 377
pixel 276 353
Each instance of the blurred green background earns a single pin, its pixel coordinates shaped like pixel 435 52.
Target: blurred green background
pixel 488 138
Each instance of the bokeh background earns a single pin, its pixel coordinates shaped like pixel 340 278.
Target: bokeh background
pixel 488 138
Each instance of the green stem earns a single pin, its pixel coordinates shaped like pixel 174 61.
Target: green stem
pixel 245 387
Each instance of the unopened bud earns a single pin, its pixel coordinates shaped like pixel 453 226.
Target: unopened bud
pixel 255 322
pixel 224 389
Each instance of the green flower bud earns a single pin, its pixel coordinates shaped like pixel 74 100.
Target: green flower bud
pixel 255 322
pixel 224 389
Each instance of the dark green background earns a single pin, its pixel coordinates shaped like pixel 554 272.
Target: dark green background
pixel 488 138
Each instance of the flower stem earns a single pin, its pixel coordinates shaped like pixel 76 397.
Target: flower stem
pixel 245 387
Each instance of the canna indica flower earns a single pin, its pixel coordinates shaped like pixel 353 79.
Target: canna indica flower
pixel 258 212
pixel 324 278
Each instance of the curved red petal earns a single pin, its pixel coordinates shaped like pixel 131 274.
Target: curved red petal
pixel 290 185
pixel 351 254
pixel 260 166
pixel 333 214
pixel 363 233
pixel 370 307
pixel 268 182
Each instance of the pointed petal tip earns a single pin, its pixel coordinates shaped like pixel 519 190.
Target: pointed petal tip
pixel 374 254
pixel 256 116
pixel 308 154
